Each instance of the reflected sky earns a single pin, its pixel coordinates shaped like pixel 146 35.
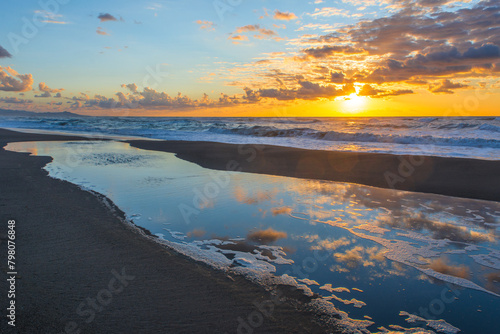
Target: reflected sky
pixel 358 247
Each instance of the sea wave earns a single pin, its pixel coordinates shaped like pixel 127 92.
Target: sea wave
pixel 271 131
pixel 455 136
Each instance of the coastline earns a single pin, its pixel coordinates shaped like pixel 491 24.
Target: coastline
pixel 70 247
pixel 457 177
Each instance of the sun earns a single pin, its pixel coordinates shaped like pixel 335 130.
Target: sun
pixel 354 103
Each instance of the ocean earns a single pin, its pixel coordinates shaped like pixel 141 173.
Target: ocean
pixel 464 137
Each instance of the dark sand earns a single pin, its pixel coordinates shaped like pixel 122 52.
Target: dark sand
pixel 68 243
pixel 469 178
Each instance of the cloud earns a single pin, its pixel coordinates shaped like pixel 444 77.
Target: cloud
pixel 281 211
pixel 329 12
pixel 206 25
pixel 285 16
pixel 11 81
pixel 307 90
pixel 327 51
pixel 329 244
pixel 238 38
pixel 351 258
pixel 101 31
pixel 446 87
pixel 4 53
pixel 438 230
pixel 42 86
pixel 416 44
pixel 47 91
pixel 106 17
pixel 196 233
pixel 484 51
pixel 15 100
pixel 355 257
pixel 337 77
pixel 368 90
pixel 241 195
pixel 441 266
pixel 49 17
pixel 132 87
pixel 156 100
pixel 262 33
pixel 266 236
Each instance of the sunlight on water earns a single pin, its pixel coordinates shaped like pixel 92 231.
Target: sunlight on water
pixel 381 256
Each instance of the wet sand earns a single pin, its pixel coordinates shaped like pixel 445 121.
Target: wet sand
pixel 468 178
pixel 83 270
pixel 70 246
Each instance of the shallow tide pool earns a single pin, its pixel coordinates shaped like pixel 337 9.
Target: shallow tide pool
pixel 384 259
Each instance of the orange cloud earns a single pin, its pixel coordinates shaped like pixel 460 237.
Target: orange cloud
pixel 267 236
pixel 441 266
pixel 101 31
pixel 206 25
pixel 11 81
pixel 281 211
pixel 285 16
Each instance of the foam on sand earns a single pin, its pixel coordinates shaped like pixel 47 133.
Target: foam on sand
pixel 439 325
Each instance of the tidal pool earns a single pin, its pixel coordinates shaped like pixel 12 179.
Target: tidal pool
pixel 384 259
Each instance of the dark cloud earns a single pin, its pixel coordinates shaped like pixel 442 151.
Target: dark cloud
pixel 153 99
pixel 368 90
pixel 485 51
pixel 417 42
pixel 446 87
pixel 327 51
pixel 106 17
pixel 307 90
pixel 4 53
pixel 47 91
pixel 337 77
pixel 15 100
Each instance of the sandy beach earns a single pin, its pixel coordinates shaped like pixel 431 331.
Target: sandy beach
pixel 81 269
pixel 468 178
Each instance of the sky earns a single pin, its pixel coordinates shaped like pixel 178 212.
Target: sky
pixel 273 58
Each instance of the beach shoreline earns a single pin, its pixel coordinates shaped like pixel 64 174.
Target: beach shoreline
pixel 457 177
pixel 72 250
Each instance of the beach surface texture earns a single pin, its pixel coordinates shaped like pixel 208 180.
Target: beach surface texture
pixel 82 269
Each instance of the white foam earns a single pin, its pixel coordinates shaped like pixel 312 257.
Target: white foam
pixel 439 325
pixel 308 281
pixel 354 302
pixel 329 288
pixel 491 260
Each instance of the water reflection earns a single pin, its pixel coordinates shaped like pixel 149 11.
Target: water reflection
pixel 353 245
